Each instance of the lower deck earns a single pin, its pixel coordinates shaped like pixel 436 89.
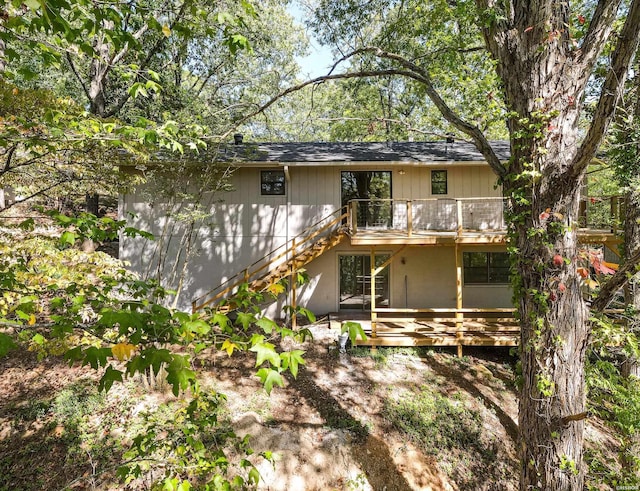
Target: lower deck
pixel 464 327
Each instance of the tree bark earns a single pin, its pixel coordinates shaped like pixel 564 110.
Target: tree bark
pixel 98 71
pixel 544 78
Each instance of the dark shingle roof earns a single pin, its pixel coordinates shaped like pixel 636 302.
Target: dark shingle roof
pixel 439 151
pixel 334 152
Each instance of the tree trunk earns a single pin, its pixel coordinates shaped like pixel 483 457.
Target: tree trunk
pixel 100 66
pixel 554 330
pixel 545 75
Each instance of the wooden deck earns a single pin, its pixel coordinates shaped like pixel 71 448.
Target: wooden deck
pixel 489 330
pixel 374 237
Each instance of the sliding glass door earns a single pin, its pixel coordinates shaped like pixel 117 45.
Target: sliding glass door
pixel 355 282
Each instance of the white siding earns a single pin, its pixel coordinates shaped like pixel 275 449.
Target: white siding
pixel 245 226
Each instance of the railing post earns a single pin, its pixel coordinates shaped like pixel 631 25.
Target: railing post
pixel 409 218
pixel 614 214
pixel 459 315
pixel 459 211
pixel 354 217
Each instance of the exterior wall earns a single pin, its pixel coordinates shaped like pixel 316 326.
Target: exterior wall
pixel 473 181
pixel 246 226
pixel 489 295
pixel 426 279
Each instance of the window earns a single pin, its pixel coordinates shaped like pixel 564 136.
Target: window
pixel 486 267
pixel 438 182
pixel 272 182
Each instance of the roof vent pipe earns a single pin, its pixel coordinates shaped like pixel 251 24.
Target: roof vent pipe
pixel 237 139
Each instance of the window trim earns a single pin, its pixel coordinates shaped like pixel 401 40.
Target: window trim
pixel 263 183
pixel 488 271
pixel 435 172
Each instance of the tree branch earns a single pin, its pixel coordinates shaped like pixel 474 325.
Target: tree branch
pixel 630 267
pixel 77 75
pixel 474 132
pixel 7 164
pixel 33 195
pixel 411 70
pixel 152 52
pixel 611 91
pixel 598 32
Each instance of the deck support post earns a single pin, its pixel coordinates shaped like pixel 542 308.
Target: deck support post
pixel 374 314
pixel 459 314
pixel 294 287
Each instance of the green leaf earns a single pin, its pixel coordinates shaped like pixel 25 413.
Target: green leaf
pixel 245 319
pixel 221 319
pixel 269 378
pixel 179 373
pixel 68 238
pixel 38 339
pixel 254 476
pixel 110 376
pixel 138 89
pixel 157 357
pixel 27 224
pixel 6 344
pixel 96 357
pixel 307 313
pixel 265 352
pixel 32 4
pixel 197 326
pixel 73 355
pixel 266 324
pixel 355 331
pixel 291 360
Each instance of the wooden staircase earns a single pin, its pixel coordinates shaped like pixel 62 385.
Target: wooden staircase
pixel 282 262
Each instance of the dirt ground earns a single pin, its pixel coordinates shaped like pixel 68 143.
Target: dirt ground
pixel 327 428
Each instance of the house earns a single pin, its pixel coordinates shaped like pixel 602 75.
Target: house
pixel 407 235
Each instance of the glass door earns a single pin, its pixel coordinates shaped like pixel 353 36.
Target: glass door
pixel 372 189
pixel 355 282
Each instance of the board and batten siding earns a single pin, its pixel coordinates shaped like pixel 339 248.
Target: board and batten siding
pixel 472 181
pixel 244 226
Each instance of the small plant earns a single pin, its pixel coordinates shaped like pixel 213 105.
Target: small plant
pixel 432 421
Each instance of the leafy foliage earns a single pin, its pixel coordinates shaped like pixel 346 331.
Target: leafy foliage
pixel 193 447
pixel 59 300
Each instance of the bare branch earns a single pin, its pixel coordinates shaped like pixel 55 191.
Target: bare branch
pixel 611 91
pixel 77 75
pixel 599 31
pixel 411 70
pixel 7 163
pixel 33 195
pixel 608 291
pixel 474 132
pixel 151 53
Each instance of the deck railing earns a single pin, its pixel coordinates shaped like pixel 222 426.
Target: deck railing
pixel 464 214
pixel 428 215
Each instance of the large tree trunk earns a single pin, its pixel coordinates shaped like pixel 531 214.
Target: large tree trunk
pixel 553 315
pixel 544 78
